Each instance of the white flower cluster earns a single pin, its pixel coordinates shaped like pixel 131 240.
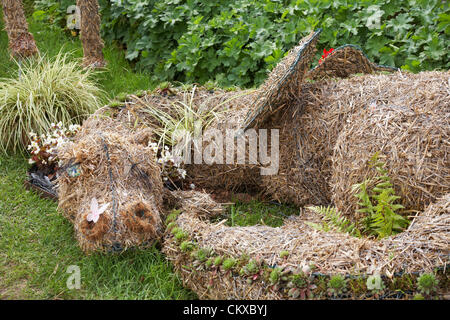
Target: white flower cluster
pixel 43 148
pixel 171 169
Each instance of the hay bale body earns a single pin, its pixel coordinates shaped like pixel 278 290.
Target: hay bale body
pixel 21 41
pixel 117 168
pixel 406 118
pixel 311 131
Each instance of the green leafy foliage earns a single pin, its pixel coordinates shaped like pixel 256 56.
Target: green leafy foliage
pixel 236 42
pixel 378 204
pixel 333 220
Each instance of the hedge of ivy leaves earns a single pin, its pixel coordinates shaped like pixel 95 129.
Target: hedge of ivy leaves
pixel 235 42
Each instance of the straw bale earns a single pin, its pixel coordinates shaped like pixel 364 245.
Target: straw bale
pixel 21 41
pixel 422 248
pixel 116 169
pixel 407 119
pixel 90 34
pixel 345 61
pixel 310 127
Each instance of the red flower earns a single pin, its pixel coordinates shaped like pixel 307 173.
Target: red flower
pixel 325 54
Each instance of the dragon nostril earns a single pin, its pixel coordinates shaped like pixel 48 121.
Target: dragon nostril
pixel 140 213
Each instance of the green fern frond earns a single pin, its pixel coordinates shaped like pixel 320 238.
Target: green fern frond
pixel 378 204
pixel 334 220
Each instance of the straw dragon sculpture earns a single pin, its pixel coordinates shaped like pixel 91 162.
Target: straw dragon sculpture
pixel 329 129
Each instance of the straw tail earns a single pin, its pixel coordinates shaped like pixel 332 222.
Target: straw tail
pixel 21 41
pixel 90 34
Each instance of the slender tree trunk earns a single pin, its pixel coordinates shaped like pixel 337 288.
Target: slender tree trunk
pixel 21 42
pixel 90 34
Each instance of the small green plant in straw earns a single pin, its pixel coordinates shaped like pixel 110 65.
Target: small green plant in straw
pixel 378 203
pixel 375 284
pixel 427 283
pixel 337 285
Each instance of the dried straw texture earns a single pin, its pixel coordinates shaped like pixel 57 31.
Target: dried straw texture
pixel 90 34
pixel 345 61
pixel 198 203
pixel 230 109
pixel 407 119
pixel 421 248
pixel 305 147
pixel 21 42
pixel 232 176
pixel 283 83
pixel 310 127
pixel 118 168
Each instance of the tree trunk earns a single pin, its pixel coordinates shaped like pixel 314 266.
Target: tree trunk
pixel 90 34
pixel 21 42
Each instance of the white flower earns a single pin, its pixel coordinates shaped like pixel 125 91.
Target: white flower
pixel 96 211
pixel 182 173
pixel 31 161
pixel 192 186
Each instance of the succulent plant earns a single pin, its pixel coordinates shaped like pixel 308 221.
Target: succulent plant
pixel 375 283
pixel 218 261
pixel 209 262
pixel 172 216
pixel 284 254
pixel 275 275
pixel 180 235
pixel 427 283
pixel 337 284
pixel 175 230
pixel 171 225
pixel 229 263
pixel 186 246
pixel 115 104
pixel 250 268
pixel 299 280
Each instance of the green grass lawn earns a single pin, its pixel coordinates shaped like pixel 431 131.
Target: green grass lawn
pixel 37 244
